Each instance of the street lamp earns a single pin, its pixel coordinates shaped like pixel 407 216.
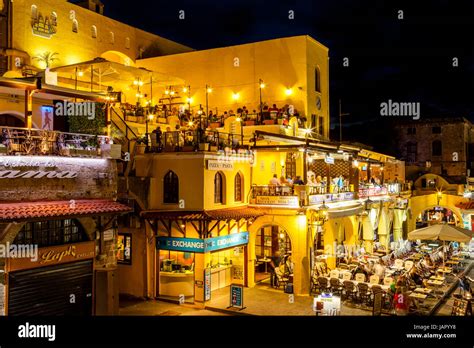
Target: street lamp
pixel 439 195
pixel 238 119
pixel 208 90
pixel 261 86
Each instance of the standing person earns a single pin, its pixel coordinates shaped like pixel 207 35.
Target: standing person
pixel 400 301
pixel 379 269
pixel 298 181
pixel 274 263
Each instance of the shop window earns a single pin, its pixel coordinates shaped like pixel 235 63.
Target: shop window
pixel 436 148
pixel 34 12
pixel 238 186
pixel 321 125
pixel 317 80
pixel 127 43
pixel 436 130
pixel 54 19
pixel 112 37
pixel 50 233
pixel 219 183
pixel 124 248
pixel 171 188
pixel 75 26
pixel 94 31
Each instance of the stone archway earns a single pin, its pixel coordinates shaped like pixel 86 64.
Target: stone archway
pixel 118 57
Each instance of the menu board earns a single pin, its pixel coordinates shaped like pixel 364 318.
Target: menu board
pixel 236 296
pixel 377 308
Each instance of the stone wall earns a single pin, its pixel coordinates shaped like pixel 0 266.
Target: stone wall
pixel 88 178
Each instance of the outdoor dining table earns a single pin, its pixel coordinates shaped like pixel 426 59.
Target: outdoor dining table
pixel 445 270
pixel 453 263
pixel 384 287
pixel 418 296
pixel 438 278
pixel 425 291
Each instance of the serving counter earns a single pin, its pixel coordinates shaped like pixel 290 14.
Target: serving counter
pixel 175 284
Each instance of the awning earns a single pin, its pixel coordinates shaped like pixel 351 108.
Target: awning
pixel 24 211
pixel 466 205
pixel 206 215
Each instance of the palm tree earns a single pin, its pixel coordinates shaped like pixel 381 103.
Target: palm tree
pixel 47 58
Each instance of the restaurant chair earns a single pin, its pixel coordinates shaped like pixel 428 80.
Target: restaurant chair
pixel 377 289
pixel 364 293
pixel 334 274
pixel 336 286
pixel 398 264
pixel 323 284
pixel 374 279
pixel 387 281
pixel 315 288
pixel 346 275
pixel 408 265
pixel 281 279
pixel 360 277
pixel 350 290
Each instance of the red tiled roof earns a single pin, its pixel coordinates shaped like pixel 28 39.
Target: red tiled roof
pixel 466 205
pixel 19 211
pixel 206 215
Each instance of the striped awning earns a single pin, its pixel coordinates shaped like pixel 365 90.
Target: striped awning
pixel 205 215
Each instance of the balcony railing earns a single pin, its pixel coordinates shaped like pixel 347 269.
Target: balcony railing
pixel 26 141
pixel 300 195
pixel 194 140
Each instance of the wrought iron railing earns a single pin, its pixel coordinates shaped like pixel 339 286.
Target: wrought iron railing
pixel 29 141
pixel 194 140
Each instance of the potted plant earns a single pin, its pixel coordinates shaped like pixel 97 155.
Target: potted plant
pixel 141 145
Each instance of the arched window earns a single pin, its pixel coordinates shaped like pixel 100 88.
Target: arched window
pixel 171 188
pixel 54 18
pixel 127 43
pixel 75 25
pixel 219 182
pixel 53 232
pixel 436 148
pixel 112 37
pixel 94 31
pixel 238 185
pixel 317 80
pixel 34 12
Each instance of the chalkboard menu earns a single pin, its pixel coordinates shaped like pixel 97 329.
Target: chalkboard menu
pixel 461 307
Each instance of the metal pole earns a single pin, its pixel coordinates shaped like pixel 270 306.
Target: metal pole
pixel 76 79
pixel 207 104
pixel 261 106
pixel 92 78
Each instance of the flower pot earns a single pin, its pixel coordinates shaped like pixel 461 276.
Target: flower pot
pixel 268 122
pixel 250 123
pixel 215 125
pixel 140 149
pixel 213 148
pixel 188 148
pixel 203 146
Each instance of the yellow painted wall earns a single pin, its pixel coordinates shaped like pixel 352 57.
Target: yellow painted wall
pixel 65 41
pixel 271 162
pixel 280 63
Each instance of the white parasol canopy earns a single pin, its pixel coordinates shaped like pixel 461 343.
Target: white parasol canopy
pixel 442 232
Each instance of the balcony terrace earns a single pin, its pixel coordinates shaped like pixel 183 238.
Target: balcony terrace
pixel 41 142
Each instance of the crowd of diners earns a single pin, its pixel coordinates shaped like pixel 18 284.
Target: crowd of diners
pixel 404 278
pixel 255 115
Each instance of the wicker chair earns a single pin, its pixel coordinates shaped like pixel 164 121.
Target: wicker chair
pixel 323 284
pixel 336 286
pixel 364 293
pixel 350 290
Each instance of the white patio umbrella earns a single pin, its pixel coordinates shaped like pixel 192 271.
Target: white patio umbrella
pixel 442 232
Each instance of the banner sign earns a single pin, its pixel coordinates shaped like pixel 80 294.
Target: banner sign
pixel 335 197
pixel 207 284
pixel 55 255
pixel 278 200
pixel 196 245
pixel 220 165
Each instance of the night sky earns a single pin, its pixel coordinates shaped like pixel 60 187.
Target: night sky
pixel 407 60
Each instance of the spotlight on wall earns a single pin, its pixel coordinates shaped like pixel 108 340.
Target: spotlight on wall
pixel 235 96
pixel 289 91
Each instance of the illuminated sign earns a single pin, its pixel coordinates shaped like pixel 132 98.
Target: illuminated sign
pixel 16 168
pixel 278 200
pixel 54 256
pixel 336 197
pixel 197 245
